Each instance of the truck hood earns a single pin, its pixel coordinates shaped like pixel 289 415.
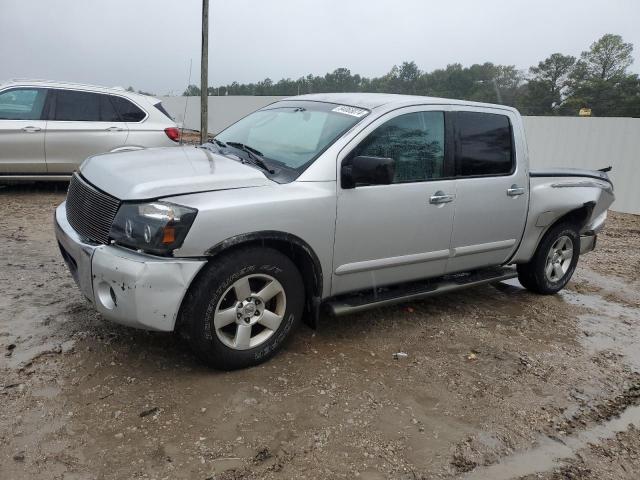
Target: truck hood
pixel 161 172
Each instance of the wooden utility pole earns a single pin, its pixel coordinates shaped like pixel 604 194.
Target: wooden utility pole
pixel 204 73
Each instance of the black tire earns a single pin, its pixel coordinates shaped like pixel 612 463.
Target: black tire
pixel 532 275
pixel 218 277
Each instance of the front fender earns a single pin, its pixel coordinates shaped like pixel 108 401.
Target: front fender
pixel 299 251
pixel 126 148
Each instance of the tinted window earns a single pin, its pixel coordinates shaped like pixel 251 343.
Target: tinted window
pixel 414 140
pixel 127 110
pixel 22 104
pixel 163 110
pixel 84 107
pixel 485 146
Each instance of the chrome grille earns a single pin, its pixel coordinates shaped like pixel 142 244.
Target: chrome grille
pixel 89 211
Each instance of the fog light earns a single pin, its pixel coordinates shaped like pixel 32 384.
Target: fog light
pixel 106 296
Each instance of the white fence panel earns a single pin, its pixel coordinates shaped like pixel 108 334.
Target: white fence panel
pixel 223 111
pixel 590 143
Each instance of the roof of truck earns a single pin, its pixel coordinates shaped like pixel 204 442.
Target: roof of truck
pixel 376 100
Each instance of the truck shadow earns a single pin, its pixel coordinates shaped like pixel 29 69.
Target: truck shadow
pixel 381 331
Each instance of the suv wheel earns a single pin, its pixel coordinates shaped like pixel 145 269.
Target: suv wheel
pixel 243 307
pixel 554 261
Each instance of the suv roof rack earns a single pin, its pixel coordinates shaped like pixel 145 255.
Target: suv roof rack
pixel 65 83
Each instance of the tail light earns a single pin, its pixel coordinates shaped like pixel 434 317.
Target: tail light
pixel 173 133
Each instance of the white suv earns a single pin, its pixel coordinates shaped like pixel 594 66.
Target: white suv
pixel 48 128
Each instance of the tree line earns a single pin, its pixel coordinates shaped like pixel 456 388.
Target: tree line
pixel 599 79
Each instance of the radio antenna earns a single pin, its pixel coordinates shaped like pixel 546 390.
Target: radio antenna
pixel 186 102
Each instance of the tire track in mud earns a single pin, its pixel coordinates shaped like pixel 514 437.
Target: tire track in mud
pixel 552 453
pixel 589 425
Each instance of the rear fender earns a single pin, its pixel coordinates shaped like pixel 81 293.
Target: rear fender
pixel 553 199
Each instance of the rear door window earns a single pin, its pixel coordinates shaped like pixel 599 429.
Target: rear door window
pixel 22 103
pixel 71 105
pixel 127 110
pixel 163 110
pixel 484 144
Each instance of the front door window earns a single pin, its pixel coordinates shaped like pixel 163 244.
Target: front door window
pixel 22 104
pixel 414 140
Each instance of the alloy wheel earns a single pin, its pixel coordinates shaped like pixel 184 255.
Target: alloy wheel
pixel 559 259
pixel 250 311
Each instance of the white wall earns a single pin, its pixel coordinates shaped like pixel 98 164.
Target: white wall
pixel 590 143
pixel 553 141
pixel 223 111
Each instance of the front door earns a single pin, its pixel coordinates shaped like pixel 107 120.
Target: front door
pixel 22 131
pixel 387 234
pixel 82 124
pixel 492 191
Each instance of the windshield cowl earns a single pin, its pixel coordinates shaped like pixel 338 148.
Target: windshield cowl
pixel 278 174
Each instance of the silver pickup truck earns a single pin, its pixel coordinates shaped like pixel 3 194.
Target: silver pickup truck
pixel 335 202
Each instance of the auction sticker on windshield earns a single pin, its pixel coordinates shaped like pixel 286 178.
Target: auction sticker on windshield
pixel 353 111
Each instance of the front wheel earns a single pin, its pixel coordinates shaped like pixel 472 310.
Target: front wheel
pixel 243 307
pixel 554 261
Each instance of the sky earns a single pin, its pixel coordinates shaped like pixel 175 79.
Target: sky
pixel 149 43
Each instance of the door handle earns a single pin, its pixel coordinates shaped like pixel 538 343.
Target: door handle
pixel 440 197
pixel 31 129
pixel 515 191
pixel 114 129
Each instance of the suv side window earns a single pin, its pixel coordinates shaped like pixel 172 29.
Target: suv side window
pixel 78 106
pixel 414 140
pixel 22 103
pixel 485 145
pixel 128 111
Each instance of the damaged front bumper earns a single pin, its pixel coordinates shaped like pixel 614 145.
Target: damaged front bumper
pixel 134 289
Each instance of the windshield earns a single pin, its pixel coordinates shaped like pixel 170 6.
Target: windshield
pixel 293 134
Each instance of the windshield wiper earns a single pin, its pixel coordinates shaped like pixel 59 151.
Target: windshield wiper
pixel 255 155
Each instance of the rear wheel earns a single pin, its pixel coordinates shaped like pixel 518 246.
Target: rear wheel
pixel 243 307
pixel 554 261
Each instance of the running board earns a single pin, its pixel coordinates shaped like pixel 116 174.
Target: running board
pixel 406 292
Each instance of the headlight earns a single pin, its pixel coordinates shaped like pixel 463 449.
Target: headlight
pixel 155 227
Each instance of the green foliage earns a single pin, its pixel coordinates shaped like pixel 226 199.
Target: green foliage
pixel 608 58
pixel 558 85
pixel 191 91
pixel 600 80
pixel 546 90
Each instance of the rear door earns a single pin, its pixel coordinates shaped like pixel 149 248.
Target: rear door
pixel 22 131
pixel 143 130
pixel 81 124
pixel 393 233
pixel 492 188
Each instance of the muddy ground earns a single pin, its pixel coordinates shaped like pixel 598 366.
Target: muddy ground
pixel 498 382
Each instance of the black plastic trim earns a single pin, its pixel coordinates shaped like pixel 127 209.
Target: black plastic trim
pixel 266 235
pixel 572 173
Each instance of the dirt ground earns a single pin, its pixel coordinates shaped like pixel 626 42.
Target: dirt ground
pixel 498 383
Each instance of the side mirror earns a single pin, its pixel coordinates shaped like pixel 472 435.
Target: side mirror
pixel 368 171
